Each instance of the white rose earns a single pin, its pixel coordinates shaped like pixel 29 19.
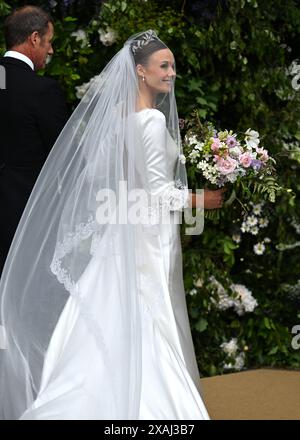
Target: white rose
pixel 107 37
pixel 252 138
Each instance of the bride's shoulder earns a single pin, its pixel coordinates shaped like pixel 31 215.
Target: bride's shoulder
pixel 151 115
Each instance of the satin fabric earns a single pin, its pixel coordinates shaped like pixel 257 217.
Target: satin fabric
pixel 76 375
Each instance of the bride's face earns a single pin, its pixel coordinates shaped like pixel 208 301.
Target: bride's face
pixel 159 72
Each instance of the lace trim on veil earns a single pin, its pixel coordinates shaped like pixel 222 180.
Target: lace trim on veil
pixel 174 198
pixel 82 232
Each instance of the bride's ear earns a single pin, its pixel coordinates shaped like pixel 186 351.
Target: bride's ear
pixel 140 71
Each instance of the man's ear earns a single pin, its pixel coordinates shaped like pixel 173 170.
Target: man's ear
pixel 34 38
pixel 140 70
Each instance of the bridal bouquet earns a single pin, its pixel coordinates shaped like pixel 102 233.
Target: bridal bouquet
pixel 224 157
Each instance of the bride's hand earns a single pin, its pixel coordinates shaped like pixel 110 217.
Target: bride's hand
pixel 214 199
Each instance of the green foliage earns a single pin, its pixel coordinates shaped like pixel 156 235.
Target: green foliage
pixel 69 63
pixel 4 10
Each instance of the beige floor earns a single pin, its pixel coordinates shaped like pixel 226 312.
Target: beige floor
pixel 255 394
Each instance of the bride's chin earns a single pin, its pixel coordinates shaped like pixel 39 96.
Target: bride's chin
pixel 166 88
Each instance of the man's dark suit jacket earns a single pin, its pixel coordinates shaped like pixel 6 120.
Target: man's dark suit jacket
pixel 32 114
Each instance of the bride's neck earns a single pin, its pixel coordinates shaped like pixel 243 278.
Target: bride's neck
pixel 146 99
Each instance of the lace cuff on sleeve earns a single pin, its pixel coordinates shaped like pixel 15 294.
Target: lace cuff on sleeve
pixel 175 197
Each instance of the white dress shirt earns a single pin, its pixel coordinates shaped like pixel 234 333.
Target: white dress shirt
pixel 19 56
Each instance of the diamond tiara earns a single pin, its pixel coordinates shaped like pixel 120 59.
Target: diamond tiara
pixel 145 39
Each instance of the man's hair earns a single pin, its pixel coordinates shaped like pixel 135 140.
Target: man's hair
pixel 22 22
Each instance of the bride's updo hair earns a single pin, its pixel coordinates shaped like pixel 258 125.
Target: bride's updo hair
pixel 144 46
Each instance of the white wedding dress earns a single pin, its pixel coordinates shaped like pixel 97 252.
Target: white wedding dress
pixel 74 384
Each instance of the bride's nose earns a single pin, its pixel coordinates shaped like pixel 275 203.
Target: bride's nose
pixel 172 72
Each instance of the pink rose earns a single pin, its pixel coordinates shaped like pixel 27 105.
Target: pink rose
pixel 263 154
pixel 226 166
pixel 245 159
pixel 215 146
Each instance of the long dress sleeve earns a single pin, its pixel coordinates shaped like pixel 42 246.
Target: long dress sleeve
pixel 161 156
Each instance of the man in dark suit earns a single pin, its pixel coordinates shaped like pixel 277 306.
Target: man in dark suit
pixel 32 114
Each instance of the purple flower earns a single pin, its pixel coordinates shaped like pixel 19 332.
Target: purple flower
pixel 231 141
pixel 221 181
pixel 256 164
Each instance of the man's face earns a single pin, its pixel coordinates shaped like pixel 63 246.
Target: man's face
pixel 43 48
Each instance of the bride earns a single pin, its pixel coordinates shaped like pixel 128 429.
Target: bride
pixel 92 302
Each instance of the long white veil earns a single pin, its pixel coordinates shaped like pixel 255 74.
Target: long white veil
pixel 59 234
